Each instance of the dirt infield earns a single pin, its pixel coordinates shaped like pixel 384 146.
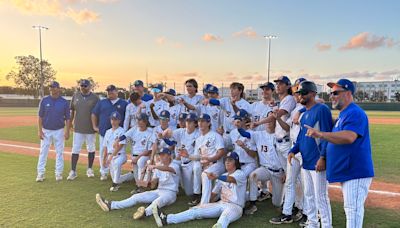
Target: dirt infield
pixel 17 121
pixel 382 195
pixel 390 121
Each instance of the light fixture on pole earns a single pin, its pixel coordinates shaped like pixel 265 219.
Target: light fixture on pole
pixel 269 38
pixel 39 27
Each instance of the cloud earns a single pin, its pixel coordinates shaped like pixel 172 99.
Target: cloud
pixel 208 37
pixel 230 76
pixel 254 78
pixel 83 16
pixel 246 32
pixel 323 47
pixel 366 75
pixel 368 41
pixel 161 40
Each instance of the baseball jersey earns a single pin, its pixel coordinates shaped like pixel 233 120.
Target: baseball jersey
pixel 131 114
pixel 229 112
pixel 214 112
pixel 267 155
pixel 140 140
pixel 195 100
pixel 54 112
pixel 259 111
pixel 350 161
pixel 110 137
pixel 103 110
pixel 288 103
pixel 174 111
pixel 160 142
pixel 230 192
pixel 82 105
pixel 209 144
pixel 294 128
pixel 185 141
pixel 159 106
pixel 244 157
pixel 167 180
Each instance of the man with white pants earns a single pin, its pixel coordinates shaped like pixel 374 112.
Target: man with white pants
pixel 54 115
pixel 349 156
pixel 82 104
pixel 231 186
pixel 165 174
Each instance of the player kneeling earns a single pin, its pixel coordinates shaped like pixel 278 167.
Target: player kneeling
pixel 231 187
pixel 165 174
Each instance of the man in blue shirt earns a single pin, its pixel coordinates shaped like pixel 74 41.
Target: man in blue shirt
pixel 349 156
pixel 101 119
pixel 313 152
pixel 54 115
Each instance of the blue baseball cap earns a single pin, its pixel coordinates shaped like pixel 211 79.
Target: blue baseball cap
pixel 157 88
pixel 214 101
pixel 143 116
pixel 54 84
pixel 232 155
pixel 138 83
pixel 165 151
pixel 213 89
pixel 205 117
pixel 191 117
pixel 115 115
pixel 206 87
pixel 299 80
pixel 171 92
pixel 182 116
pixel 84 82
pixel 241 114
pixel 165 114
pixel 111 88
pixel 268 85
pixel 283 79
pixel 345 84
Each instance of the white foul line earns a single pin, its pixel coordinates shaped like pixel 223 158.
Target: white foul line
pixel 85 155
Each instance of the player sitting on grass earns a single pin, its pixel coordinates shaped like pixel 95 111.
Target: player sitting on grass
pixel 165 174
pixel 231 186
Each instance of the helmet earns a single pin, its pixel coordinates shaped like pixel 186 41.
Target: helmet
pixel 306 87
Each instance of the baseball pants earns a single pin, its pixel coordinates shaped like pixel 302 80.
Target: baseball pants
pixel 57 138
pixel 282 150
pixel 264 174
pixel 103 171
pixel 157 197
pixel 116 167
pixel 293 183
pixel 191 177
pixel 227 213
pixel 248 168
pixel 216 168
pixel 79 139
pixel 316 197
pixel 354 194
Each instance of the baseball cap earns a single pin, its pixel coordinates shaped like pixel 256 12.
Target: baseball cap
pixel 111 88
pixel 206 87
pixel 344 83
pixel 191 117
pixel 268 85
pixel 171 92
pixel 183 116
pixel 283 79
pixel 165 151
pixel 54 84
pixel 205 117
pixel 157 88
pixel 115 115
pixel 164 114
pixel 232 155
pixel 84 82
pixel 212 89
pixel 241 114
pixel 138 83
pixel 299 80
pixel 142 116
pixel 214 101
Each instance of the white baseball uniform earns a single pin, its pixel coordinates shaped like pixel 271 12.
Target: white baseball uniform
pixel 191 173
pixel 270 167
pixel 248 163
pixel 214 112
pixel 159 106
pixel 230 112
pixel 117 161
pixel 259 111
pixel 174 118
pixel 195 100
pixel 164 195
pixel 131 114
pixel 228 209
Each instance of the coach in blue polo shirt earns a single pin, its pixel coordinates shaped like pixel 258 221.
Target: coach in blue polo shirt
pixel 101 118
pixel 349 157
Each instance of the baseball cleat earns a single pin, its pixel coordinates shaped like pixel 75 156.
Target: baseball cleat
pixel 303 221
pixel 89 172
pixel 217 225
pixel 139 213
pixel 297 214
pixel 40 178
pixel 72 175
pixel 114 188
pixel 250 209
pixel 195 200
pixel 103 177
pixel 104 204
pixel 264 196
pixel 281 219
pixel 59 177
pixel 159 217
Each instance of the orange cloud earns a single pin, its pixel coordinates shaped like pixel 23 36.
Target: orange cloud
pixel 161 40
pixel 247 32
pixel 367 41
pixel 323 47
pixel 83 16
pixel 208 37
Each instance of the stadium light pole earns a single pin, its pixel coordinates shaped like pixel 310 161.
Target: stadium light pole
pixel 39 27
pixel 269 38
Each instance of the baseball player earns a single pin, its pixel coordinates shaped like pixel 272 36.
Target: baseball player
pixel 313 152
pixel 138 87
pixel 165 174
pixel 191 97
pixel 133 110
pixel 349 158
pixel 101 119
pixel 81 106
pixel 54 115
pixel 231 186
pixel 114 155
pixel 261 109
pixel 155 106
pixel 182 120
pixel 293 178
pixel 270 167
pixel 174 109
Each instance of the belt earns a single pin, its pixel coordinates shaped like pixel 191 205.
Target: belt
pixel 285 139
pixel 185 163
pixel 275 170
pixel 227 132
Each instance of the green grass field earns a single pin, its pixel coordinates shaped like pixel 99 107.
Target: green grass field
pixel 18 111
pixel 26 203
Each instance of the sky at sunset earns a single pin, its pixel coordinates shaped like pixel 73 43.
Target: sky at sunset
pixel 116 41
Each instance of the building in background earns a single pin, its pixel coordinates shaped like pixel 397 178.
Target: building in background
pixel 381 91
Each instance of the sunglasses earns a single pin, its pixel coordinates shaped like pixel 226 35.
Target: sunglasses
pixel 337 92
